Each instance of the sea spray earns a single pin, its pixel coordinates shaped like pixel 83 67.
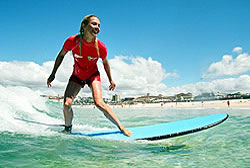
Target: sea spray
pixel 23 103
pixel 22 109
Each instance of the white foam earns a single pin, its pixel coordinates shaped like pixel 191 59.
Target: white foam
pixel 24 103
pixel 19 102
pixel 88 128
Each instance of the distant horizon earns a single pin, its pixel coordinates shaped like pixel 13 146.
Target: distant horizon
pixel 216 94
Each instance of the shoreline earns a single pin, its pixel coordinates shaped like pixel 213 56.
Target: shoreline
pixel 234 103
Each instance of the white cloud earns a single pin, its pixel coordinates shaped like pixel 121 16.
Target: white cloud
pixel 237 50
pixel 229 85
pixel 33 75
pixel 21 73
pixel 137 76
pixel 133 76
pixel 229 66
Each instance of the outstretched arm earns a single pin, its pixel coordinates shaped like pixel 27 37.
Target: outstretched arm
pixel 58 62
pixel 108 72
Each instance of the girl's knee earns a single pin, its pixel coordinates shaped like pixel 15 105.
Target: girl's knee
pixel 99 103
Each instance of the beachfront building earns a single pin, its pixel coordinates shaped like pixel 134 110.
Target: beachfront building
pixel 152 99
pixel 237 95
pixel 116 98
pixel 184 97
pixel 205 96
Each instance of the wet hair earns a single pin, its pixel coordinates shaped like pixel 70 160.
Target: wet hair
pixel 85 21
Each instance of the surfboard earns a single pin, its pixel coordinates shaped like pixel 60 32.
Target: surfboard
pixel 161 131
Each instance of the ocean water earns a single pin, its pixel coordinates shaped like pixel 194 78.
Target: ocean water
pixel 24 144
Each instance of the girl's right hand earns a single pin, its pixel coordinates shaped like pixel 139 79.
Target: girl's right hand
pixel 50 79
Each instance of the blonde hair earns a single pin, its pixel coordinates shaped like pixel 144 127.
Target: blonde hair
pixel 85 21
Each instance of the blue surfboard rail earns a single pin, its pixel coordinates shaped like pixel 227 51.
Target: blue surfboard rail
pixel 162 131
pixel 187 131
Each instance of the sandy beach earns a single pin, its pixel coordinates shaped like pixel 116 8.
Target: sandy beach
pixel 235 103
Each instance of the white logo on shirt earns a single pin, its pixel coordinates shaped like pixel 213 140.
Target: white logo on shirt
pixel 78 56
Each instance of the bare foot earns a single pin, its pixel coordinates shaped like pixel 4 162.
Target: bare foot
pixel 126 132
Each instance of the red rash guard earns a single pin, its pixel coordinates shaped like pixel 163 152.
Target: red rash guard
pixel 85 65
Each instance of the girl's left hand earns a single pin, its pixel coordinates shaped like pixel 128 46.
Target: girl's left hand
pixel 112 86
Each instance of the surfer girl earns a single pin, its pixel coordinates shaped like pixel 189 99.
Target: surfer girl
pixel 86 50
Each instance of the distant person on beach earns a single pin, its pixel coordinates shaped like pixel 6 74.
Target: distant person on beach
pixel 228 103
pixel 86 50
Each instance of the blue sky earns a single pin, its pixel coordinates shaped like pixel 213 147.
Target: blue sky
pixel 185 36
